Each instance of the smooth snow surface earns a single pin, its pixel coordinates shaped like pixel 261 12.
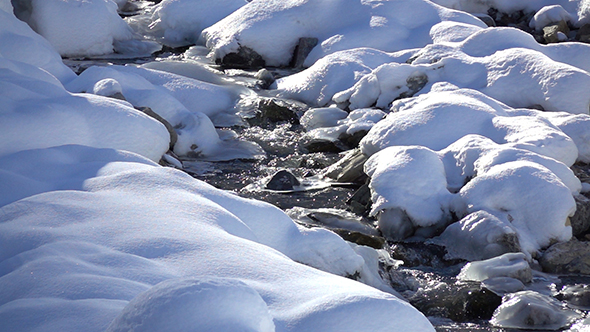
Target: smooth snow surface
pixel 273 28
pixel 121 224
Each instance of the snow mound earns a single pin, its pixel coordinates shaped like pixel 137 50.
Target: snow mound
pixel 38 112
pixel 548 15
pixel 78 256
pixel 212 304
pixel 512 265
pixel 18 42
pixel 187 104
pixel 273 28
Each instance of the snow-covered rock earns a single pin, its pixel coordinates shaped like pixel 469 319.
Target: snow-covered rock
pixel 513 265
pixel 272 28
pixel 75 258
pixel 549 15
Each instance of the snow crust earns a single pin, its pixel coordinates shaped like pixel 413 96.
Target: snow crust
pixel 120 225
pixel 273 28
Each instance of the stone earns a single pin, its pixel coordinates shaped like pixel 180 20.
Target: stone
pixel 282 180
pixel 270 111
pixel 580 221
pixel 316 145
pixel 349 169
pixel 265 78
pixel 173 135
pixel 583 34
pixel 352 141
pixel 302 50
pixel 415 83
pixel 395 224
pixel 551 32
pixel 567 257
pixel 576 296
pixel 360 202
pixel 376 242
pixel 244 58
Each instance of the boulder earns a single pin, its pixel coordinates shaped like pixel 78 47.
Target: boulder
pixel 270 111
pixel 583 34
pixel 580 221
pixel 302 50
pixel 576 296
pixel 551 33
pixel 567 257
pixel 282 180
pixel 244 58
pixel 349 169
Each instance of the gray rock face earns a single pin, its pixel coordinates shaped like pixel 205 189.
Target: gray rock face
pixel 302 50
pixel 551 33
pixel 580 221
pixel 349 168
pixel 583 34
pixel 270 111
pixel 567 257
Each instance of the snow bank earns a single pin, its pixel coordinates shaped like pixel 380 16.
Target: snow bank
pixel 272 28
pixel 18 42
pixel 37 112
pixel 83 255
pixel 180 22
pixel 187 104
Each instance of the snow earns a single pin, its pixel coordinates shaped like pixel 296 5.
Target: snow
pixel 531 310
pixel 513 265
pixel 187 104
pixel 549 15
pixel 273 28
pixel 124 225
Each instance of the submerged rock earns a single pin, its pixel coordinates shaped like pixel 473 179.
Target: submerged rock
pixel 282 180
pixel 567 257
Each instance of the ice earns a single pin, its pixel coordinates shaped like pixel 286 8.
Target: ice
pixel 272 28
pixel 532 311
pixel 355 121
pixel 513 265
pixel 84 254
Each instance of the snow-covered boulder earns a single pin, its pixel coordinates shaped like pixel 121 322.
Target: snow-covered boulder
pixel 37 112
pixel 78 258
pixel 513 265
pixel 272 29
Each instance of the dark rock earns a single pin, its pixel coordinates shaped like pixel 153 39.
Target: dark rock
pixel 173 135
pixel 487 19
pixel 282 180
pixel 583 34
pixel 415 254
pixel 270 111
pixel 567 257
pixel 245 58
pixel 580 221
pixel 359 238
pixel 360 202
pixel 352 141
pixel 457 301
pixel 349 168
pixel 302 50
pixel 551 33
pixel 415 83
pixel 316 145
pixel 265 78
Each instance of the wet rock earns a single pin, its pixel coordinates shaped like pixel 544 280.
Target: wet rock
pixel 360 202
pixel 282 180
pixel 567 257
pixel 352 141
pixel 270 111
pixel 583 34
pixel 173 135
pixel 316 145
pixel 415 254
pixel 395 224
pixel 551 33
pixel 349 168
pixel 302 50
pixel 244 58
pixel 334 219
pixel 532 310
pixel 457 301
pixel 503 285
pixel 359 238
pixel 577 296
pixel 265 78
pixel 580 221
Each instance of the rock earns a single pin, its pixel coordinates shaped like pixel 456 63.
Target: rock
pixel 349 168
pixel 513 265
pixel 577 296
pixel 415 83
pixel 583 34
pixel 580 221
pixel 352 141
pixel 457 301
pixel 395 224
pixel 245 58
pixel 415 254
pixel 265 78
pixel 503 285
pixel 551 33
pixel 316 145
pixel 373 241
pixel 567 257
pixel 532 310
pixel 360 202
pixel 270 111
pixel 282 180
pixel 302 50
pixel 173 135
pixel 487 19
